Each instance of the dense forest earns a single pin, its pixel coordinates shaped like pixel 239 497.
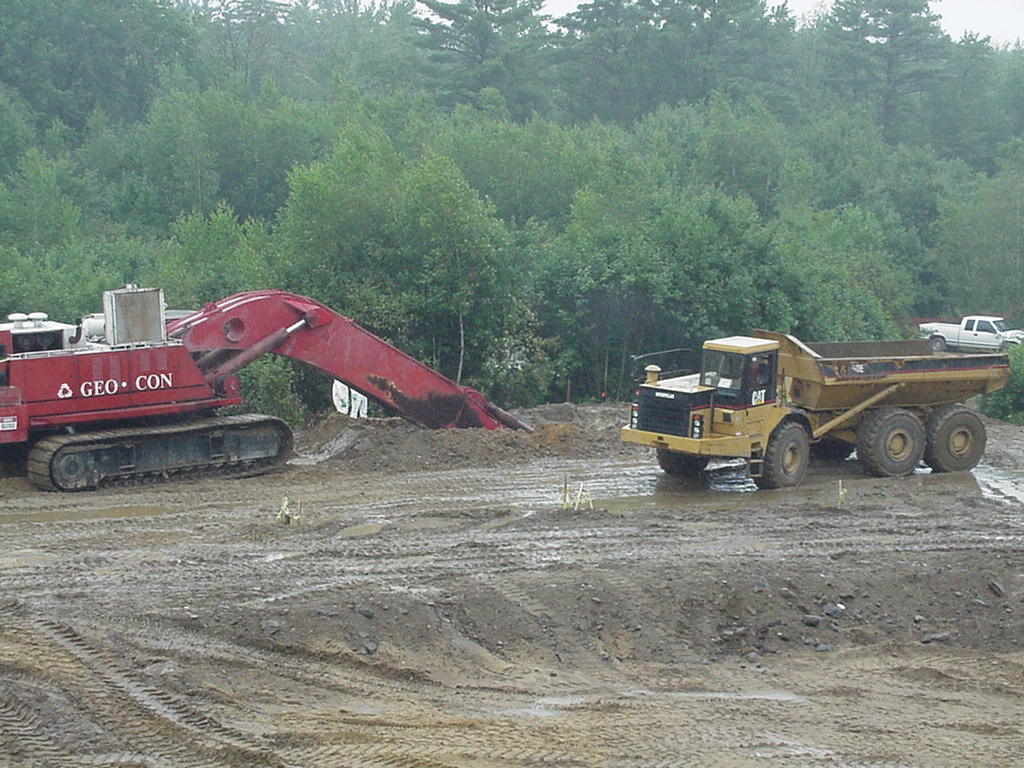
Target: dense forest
pixel 522 201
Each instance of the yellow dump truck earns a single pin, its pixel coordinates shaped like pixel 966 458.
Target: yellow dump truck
pixel 774 400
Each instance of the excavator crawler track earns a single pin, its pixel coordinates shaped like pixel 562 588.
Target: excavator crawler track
pixel 243 444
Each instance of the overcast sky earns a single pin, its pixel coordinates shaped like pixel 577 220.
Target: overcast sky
pixel 1002 20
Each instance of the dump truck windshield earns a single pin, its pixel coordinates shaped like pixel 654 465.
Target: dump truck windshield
pixel 722 369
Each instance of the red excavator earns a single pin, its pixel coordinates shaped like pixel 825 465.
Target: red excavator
pixel 128 395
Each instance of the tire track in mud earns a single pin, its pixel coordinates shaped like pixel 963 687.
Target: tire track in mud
pixel 145 719
pixel 403 560
pixel 23 727
pixel 348 674
pixel 396 568
pixel 495 538
pixel 944 692
pixel 396 745
pixel 497 745
pixel 387 753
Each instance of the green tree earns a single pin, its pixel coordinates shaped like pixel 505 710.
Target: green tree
pixel 735 47
pixel 271 385
pixel 601 60
pixel 409 250
pixel 964 115
pixel 372 43
pixel 643 267
pixel 453 256
pixel 887 53
pixel 836 269
pixel 333 238
pixel 746 154
pixel 243 38
pixel 65 282
pixel 36 212
pixel 850 164
pixel 15 131
pixel 1010 93
pixel 980 246
pixel 1008 402
pixel 253 143
pixel 527 170
pixel 175 168
pixel 478 44
pixel 67 58
pixel 211 256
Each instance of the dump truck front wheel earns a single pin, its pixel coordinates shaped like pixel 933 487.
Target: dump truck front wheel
pixel 956 439
pixel 680 464
pixel 890 442
pixel 787 456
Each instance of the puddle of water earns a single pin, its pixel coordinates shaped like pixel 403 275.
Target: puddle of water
pixel 547 706
pixel 68 515
pixel 504 520
pixel 328 451
pixel 1002 484
pixel 666 499
pixel 26 557
pixel 781 696
pixel 357 531
pixel 656 490
pixel 667 492
pixel 550 706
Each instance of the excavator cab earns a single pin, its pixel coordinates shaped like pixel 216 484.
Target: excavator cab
pixel 33 332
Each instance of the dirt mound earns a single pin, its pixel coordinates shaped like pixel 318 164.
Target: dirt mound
pixel 560 429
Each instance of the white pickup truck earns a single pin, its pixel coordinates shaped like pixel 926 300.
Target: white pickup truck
pixel 978 333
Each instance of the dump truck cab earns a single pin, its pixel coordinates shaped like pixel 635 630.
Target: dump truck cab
pixel 742 372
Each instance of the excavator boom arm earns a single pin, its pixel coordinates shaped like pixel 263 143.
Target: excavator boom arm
pixel 233 332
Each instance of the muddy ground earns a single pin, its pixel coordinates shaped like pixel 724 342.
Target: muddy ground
pixel 434 600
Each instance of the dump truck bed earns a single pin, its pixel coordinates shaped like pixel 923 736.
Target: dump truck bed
pixel 831 376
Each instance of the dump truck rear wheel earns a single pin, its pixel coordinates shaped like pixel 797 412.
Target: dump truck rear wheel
pixel 787 457
pixel 832 450
pixel 890 442
pixel 680 464
pixel 956 439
